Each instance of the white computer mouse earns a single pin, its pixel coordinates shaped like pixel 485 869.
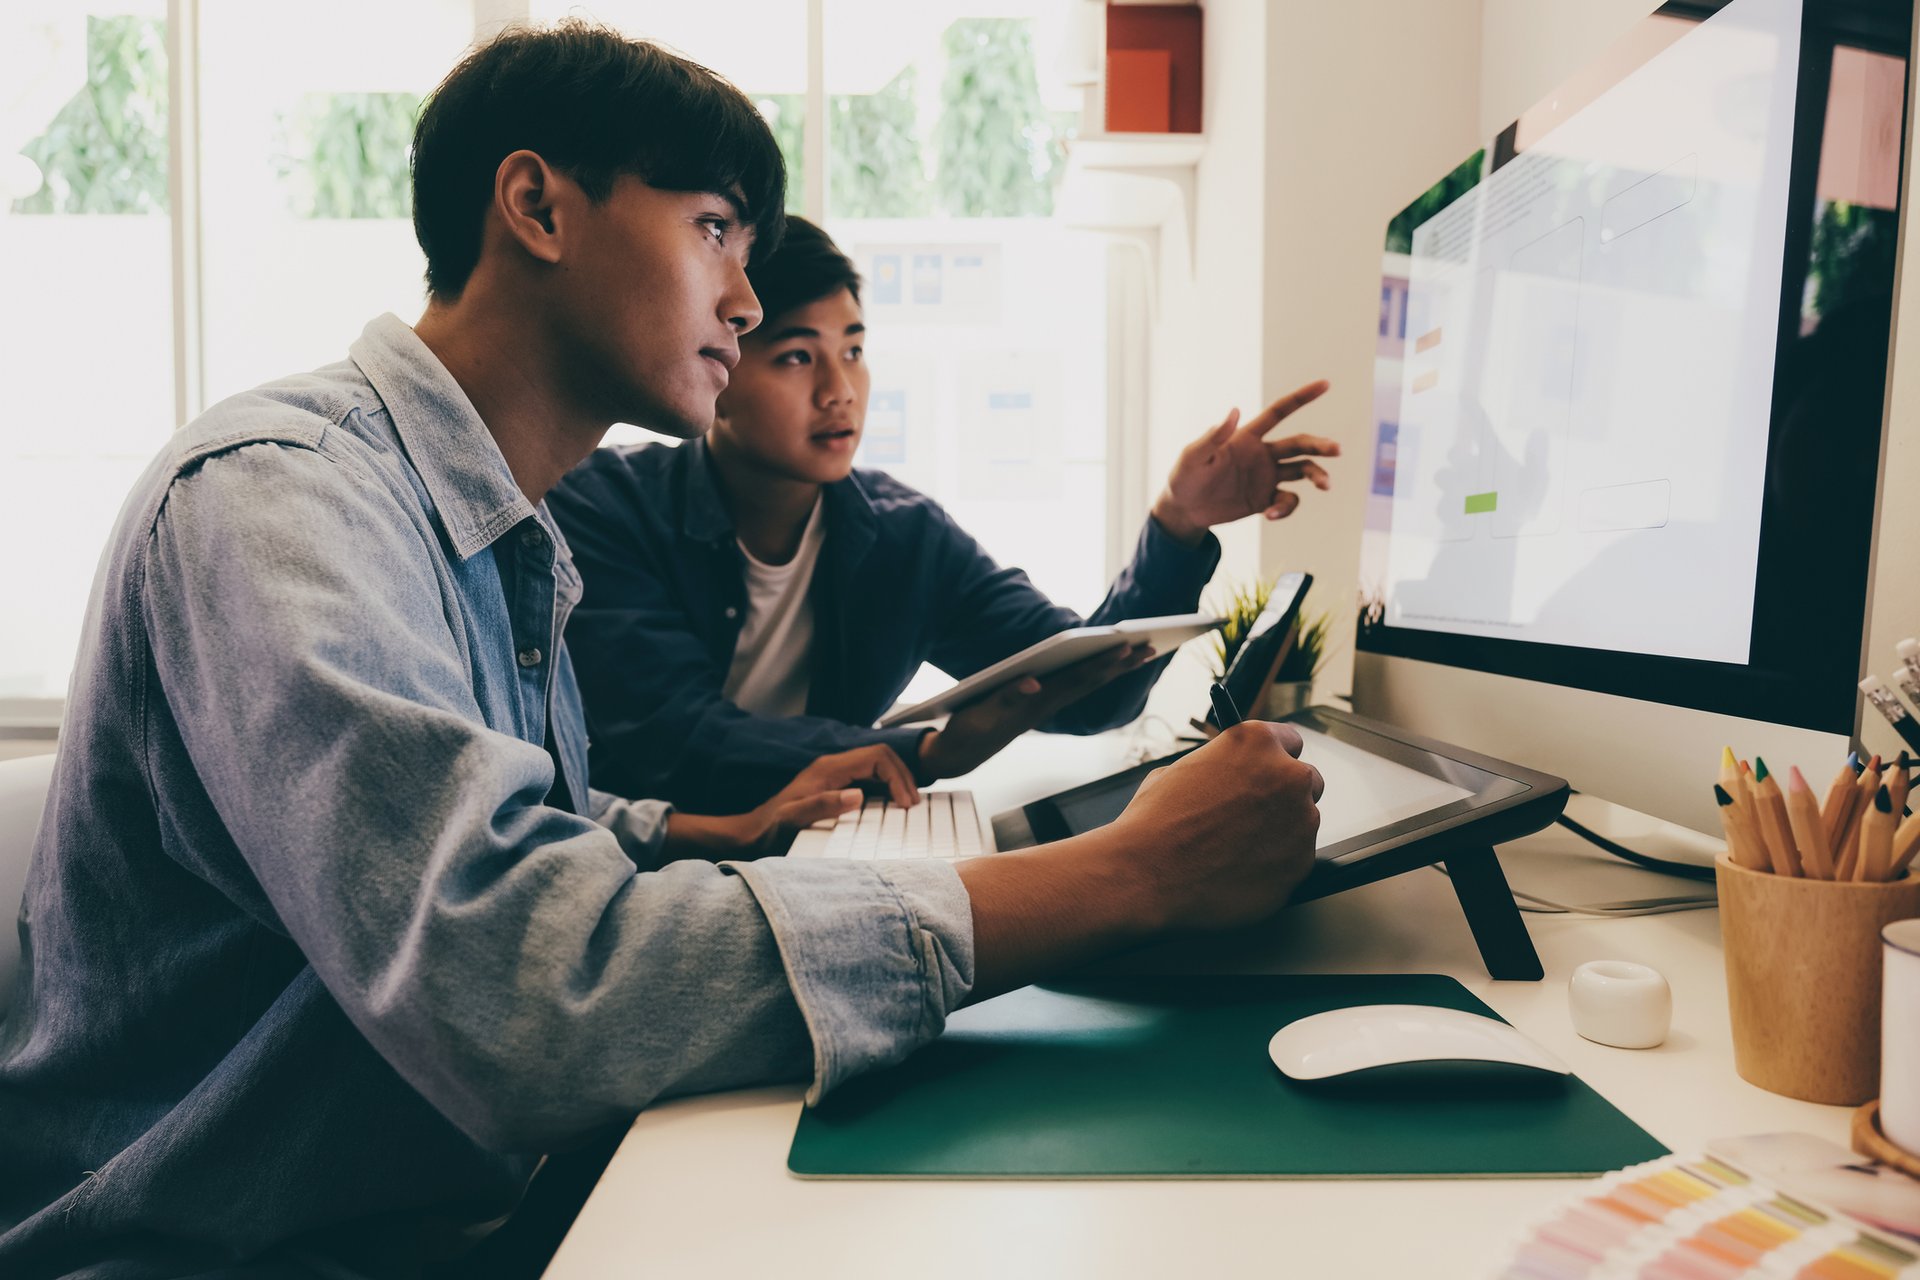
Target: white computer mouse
pixel 1340 1041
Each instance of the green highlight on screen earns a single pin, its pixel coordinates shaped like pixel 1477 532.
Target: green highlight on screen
pixel 1480 503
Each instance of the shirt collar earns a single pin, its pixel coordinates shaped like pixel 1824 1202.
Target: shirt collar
pixel 450 447
pixel 704 517
pixel 844 506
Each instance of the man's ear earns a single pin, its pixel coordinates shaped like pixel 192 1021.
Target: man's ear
pixel 532 201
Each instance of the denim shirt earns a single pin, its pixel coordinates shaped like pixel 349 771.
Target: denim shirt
pixel 325 938
pixel 898 583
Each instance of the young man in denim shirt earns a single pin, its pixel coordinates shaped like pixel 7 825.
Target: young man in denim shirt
pixel 325 939
pixel 750 601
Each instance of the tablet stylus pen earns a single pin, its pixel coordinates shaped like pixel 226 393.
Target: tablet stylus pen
pixel 1223 709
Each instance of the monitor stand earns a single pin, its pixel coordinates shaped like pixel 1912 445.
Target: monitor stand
pixel 1485 899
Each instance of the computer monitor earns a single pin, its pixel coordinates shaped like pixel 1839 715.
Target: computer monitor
pixel 1629 395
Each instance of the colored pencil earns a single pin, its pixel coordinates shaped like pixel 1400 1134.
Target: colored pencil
pixel 1839 802
pixel 1729 771
pixel 1773 821
pixel 1804 815
pixel 1906 843
pixel 1743 840
pixel 1876 838
pixel 1847 860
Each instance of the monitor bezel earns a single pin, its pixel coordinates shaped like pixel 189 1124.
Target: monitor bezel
pixel 1818 690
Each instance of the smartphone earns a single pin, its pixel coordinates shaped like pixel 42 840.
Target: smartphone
pixel 1268 642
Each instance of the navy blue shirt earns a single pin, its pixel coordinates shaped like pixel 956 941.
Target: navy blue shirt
pixel 898 584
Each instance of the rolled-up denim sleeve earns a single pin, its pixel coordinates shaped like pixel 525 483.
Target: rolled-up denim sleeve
pixel 639 825
pixel 877 955
pixel 512 961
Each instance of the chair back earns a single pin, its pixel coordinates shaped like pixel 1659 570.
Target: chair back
pixel 23 794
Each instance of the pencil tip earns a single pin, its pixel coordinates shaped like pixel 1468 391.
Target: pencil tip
pixel 1727 758
pixel 1759 769
pixel 1720 794
pixel 1796 781
pixel 1883 801
pixel 1855 763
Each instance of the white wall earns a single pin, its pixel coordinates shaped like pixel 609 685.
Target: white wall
pixel 1205 341
pixel 1896 582
pixel 1368 102
pixel 1529 46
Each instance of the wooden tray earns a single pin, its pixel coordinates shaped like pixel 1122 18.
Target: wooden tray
pixel 1870 1140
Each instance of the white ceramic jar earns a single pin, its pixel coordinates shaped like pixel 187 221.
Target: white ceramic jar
pixel 1620 1003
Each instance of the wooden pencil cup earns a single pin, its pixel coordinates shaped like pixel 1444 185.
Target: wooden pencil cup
pixel 1803 979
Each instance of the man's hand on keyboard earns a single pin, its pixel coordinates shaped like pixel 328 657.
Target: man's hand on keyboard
pixel 977 732
pixel 877 770
pixel 827 788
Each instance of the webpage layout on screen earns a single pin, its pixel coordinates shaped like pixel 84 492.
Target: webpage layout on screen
pixel 1588 363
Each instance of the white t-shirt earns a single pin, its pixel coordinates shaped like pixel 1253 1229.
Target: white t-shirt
pixel 771 672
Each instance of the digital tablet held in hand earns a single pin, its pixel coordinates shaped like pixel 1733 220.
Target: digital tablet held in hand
pixel 1057 651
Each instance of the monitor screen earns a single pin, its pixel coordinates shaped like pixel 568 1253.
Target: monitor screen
pixel 1631 365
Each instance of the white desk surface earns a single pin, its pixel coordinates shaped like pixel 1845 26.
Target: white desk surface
pixel 700 1185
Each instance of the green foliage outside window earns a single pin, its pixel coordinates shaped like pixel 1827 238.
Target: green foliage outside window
pixel 105 151
pixel 344 155
pixel 999 151
pixel 877 170
pixel 350 155
pixel 785 114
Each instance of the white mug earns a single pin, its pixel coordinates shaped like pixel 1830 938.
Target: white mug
pixel 1900 1035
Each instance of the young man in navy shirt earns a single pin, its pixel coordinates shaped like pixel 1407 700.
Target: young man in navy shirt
pixel 753 602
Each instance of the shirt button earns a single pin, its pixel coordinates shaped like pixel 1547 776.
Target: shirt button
pixel 732 612
pixel 529 657
pixel 532 537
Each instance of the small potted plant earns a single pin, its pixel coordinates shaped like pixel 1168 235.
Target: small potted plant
pixel 1292 687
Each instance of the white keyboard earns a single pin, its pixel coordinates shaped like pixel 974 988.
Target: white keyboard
pixel 943 825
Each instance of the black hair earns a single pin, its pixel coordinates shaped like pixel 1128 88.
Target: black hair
pixel 806 267
pixel 594 105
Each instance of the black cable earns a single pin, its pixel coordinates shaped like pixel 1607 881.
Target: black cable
pixel 1684 870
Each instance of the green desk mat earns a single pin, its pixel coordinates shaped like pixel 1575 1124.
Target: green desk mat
pixel 1162 1077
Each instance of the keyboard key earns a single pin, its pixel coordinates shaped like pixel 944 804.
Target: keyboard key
pixel 944 825
pixel 919 826
pixel 966 827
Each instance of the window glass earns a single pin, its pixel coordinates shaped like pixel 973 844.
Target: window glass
pixel 987 325
pixel 86 335
pixel 305 204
